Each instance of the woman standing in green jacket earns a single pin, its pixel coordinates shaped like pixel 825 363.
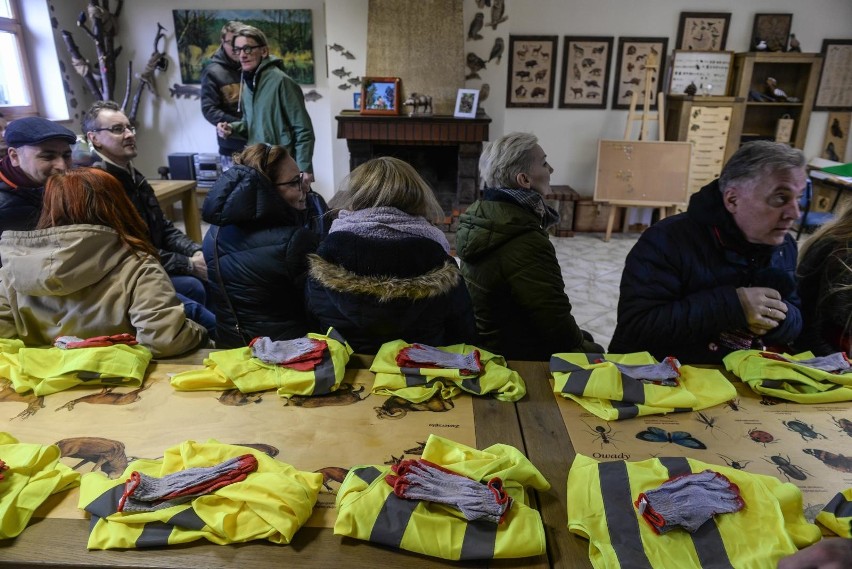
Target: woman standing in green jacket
pixel 508 262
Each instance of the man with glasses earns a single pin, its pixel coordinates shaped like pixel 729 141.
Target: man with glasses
pixel 38 148
pixel 273 104
pixel 220 92
pixel 113 142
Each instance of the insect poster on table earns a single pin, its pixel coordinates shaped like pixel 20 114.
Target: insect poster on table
pixel 807 445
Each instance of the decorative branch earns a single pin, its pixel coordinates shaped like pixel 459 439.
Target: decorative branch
pixel 81 65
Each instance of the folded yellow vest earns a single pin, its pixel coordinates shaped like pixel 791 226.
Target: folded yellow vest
pixel 48 370
pixel 607 393
pixel 420 384
pixel 239 369
pixel 788 380
pixel 272 503
pixel 837 514
pixel 368 509
pixel 34 474
pixel 601 498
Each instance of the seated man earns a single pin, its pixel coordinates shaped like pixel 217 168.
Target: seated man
pixel 508 262
pixel 719 277
pixel 114 143
pixel 38 148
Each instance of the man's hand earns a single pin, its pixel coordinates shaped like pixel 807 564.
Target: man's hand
pixel 829 553
pixel 224 129
pixel 199 265
pixel 763 308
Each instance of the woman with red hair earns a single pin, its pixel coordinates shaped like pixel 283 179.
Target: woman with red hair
pixel 89 270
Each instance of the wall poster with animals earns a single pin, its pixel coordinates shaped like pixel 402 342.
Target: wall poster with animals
pixel 638 59
pixel 807 445
pixel 585 72
pixel 834 92
pixel 103 429
pixel 532 62
pixel 703 31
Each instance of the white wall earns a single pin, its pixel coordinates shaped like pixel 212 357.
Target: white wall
pixel 569 136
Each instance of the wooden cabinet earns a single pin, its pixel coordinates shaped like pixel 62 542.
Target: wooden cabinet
pixel 796 74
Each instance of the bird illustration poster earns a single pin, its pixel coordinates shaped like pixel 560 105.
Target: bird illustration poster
pixel 532 61
pixel 807 445
pixel 639 60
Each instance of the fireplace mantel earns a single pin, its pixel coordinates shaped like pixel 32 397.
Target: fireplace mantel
pixel 369 136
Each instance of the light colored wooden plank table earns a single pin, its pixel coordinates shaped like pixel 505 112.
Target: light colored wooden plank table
pixel 170 191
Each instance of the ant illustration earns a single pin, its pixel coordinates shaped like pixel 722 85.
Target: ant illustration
pixel 709 423
pixel 604 434
pixel 738 464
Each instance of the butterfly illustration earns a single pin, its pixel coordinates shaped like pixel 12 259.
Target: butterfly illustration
pixel 682 438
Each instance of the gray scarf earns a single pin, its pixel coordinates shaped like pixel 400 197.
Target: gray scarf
pixel 532 201
pixel 387 223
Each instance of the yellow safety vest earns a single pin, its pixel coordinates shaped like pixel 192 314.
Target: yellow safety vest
pixel 787 380
pixel 837 514
pixel 601 497
pixel 48 370
pixel 607 393
pixel 368 509
pixel 420 384
pixel 34 474
pixel 272 503
pixel 239 369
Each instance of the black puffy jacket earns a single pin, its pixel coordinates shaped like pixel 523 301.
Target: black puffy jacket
pixel 220 97
pixel 256 252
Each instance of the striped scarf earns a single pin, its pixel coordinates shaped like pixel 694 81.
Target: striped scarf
pixel 532 201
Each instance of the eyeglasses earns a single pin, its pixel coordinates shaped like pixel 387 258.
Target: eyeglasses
pixel 117 129
pixel 295 181
pixel 247 49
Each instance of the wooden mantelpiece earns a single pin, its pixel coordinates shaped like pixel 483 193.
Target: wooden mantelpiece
pixel 369 136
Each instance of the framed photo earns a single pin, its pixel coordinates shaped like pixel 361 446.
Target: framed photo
pixel 380 95
pixel 585 72
pixel 466 103
pixel 532 61
pixel 633 68
pixel 834 92
pixel 703 31
pixel 774 29
pixel 356 100
pixel 709 71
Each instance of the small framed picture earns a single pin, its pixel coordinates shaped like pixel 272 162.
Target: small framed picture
pixel 380 95
pixel 356 100
pixel 585 72
pixel 532 62
pixel 703 31
pixel 771 30
pixel 466 102
pixel 834 92
pixel 709 71
pixel 638 59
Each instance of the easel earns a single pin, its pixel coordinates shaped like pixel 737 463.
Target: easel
pixel 646 116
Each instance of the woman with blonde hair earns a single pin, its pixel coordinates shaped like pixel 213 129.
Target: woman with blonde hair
pixel 824 279
pixel 385 272
pixel 89 270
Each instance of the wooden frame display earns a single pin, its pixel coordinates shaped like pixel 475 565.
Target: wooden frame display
pixel 834 92
pixel 380 95
pixel 703 31
pixel 630 70
pixel 774 29
pixel 585 72
pixel 466 103
pixel 709 71
pixel 532 62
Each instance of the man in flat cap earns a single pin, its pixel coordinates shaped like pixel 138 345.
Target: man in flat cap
pixel 38 148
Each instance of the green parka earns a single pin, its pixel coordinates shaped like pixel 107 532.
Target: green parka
pixel 515 282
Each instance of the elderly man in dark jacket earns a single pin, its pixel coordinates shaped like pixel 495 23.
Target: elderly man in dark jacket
pixel 508 262
pixel 719 277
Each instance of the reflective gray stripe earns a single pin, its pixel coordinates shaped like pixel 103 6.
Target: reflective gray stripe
pixel 392 520
pixel 471 385
pixel 479 539
pixel 621 516
pixel 632 389
pixel 577 381
pixel 707 540
pixel 324 375
pixel 772 384
pixel 335 335
pixel 558 364
pixel 839 507
pixel 413 377
pixel 368 474
pixel 595 358
pixel 625 410
pixel 107 503
pixel 188 519
pixel 154 534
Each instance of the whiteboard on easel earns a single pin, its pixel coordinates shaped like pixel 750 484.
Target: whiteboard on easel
pixel 709 71
pixel 643 173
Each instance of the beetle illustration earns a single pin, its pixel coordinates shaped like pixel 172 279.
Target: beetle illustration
pixel 761 437
pixel 806 431
pixel 845 425
pixel 836 461
pixel 787 468
pixel 768 400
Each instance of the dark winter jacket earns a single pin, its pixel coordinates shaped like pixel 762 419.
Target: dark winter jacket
pixel 825 285
pixel 173 246
pixel 256 252
pixel 374 291
pixel 514 279
pixel 220 97
pixel 678 290
pixel 20 207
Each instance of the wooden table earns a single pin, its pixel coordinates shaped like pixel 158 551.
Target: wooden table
pixel 170 191
pixel 61 542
